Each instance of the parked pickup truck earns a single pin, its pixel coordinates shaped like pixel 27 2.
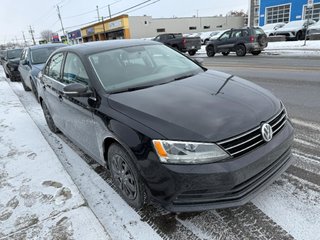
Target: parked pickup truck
pixel 177 41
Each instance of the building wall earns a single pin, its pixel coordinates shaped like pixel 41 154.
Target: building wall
pixel 146 26
pixel 296 10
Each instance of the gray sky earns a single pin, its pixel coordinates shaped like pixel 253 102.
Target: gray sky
pixel 17 15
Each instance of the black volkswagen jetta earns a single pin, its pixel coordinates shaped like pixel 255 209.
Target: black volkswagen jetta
pixel 167 129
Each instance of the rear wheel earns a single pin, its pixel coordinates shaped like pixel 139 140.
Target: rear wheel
pixel 192 52
pixel 241 50
pixel 225 53
pixel 49 119
pixel 210 51
pixel 25 87
pixel 125 176
pixel 34 89
pixel 255 53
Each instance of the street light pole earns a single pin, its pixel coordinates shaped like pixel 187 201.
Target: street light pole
pixel 308 20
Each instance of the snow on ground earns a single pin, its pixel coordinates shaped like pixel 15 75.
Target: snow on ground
pixel 294 45
pixel 38 199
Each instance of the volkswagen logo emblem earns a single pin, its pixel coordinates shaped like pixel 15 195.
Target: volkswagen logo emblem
pixel 266 131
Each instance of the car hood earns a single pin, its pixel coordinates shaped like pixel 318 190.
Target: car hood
pixel 194 109
pixel 291 29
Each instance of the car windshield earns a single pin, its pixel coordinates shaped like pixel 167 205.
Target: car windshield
pixel 41 55
pixel 141 66
pixel 14 53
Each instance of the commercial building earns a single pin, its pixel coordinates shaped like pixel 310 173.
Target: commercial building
pixel 75 37
pixel 146 26
pixel 125 27
pixel 273 11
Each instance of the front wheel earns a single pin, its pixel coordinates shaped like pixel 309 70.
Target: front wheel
pixel 49 119
pixel 125 176
pixel 192 52
pixel 255 53
pixel 210 51
pixel 241 50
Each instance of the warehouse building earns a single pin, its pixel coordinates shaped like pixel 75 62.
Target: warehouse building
pixel 126 27
pixel 273 11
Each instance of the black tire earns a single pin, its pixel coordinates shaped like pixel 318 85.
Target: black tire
pixel 241 50
pixel 25 87
pixel 49 119
pixel 192 52
pixel 34 90
pixel 299 36
pixel 225 53
pixel 210 51
pixel 125 176
pixel 7 75
pixel 255 53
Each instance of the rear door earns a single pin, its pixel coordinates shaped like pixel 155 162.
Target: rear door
pixel 53 88
pixel 25 69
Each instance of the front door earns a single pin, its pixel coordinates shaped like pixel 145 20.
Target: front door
pixel 76 113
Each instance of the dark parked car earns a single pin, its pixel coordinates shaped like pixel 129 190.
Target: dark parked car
pixel 177 41
pixel 241 41
pixel 31 63
pixel 167 128
pixel 10 63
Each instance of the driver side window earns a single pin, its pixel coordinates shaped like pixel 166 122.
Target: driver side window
pixel 74 70
pixel 225 36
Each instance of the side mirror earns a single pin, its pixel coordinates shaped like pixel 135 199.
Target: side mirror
pixel 77 90
pixel 24 62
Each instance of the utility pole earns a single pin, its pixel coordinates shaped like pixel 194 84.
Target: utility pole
pixel 104 29
pixel 24 39
pixel 31 31
pixel 98 13
pixel 109 10
pixel 59 15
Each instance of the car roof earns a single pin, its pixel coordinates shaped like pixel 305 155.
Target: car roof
pixel 47 45
pixel 101 46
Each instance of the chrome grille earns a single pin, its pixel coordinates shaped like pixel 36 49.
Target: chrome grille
pixel 252 139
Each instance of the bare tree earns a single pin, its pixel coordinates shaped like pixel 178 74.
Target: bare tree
pixel 46 35
pixel 237 13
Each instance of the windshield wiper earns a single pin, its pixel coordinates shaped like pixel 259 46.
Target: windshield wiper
pixel 130 89
pixel 184 77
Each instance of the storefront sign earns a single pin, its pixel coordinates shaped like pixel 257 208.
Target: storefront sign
pixel 90 31
pixel 115 24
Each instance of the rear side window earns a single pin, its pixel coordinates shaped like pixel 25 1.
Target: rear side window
pixel 259 31
pixel 74 70
pixel 236 34
pixel 54 67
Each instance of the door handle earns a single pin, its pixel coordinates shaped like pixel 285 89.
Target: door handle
pixel 60 98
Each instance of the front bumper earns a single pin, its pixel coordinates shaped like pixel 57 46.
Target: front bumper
pixel 189 188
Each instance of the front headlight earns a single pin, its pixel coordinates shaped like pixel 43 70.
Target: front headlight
pixel 177 152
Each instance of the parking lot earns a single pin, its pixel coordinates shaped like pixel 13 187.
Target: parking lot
pixel 288 209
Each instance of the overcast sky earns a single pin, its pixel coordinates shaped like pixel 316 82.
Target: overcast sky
pixel 17 15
